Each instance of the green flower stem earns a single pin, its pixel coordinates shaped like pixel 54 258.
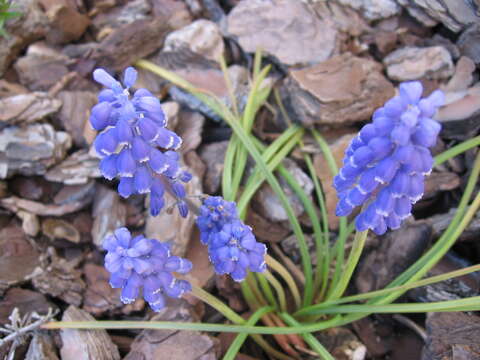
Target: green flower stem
pixel 267 290
pixel 471 303
pixel 240 339
pixel 285 275
pixel 311 310
pixel 456 150
pixel 323 249
pixel 273 155
pixel 353 258
pixel 278 289
pixel 309 339
pixel 175 325
pixel 342 230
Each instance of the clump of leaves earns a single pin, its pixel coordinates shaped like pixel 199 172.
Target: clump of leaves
pixel 6 14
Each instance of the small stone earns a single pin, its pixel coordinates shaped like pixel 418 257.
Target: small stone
pixel 213 155
pixel 31 150
pixel 109 213
pixel 59 229
pixel 270 207
pixel 30 223
pixel 85 344
pixel 79 168
pixel 202 37
pixel 412 63
pixel 343 89
pixel 28 108
pixel 286 29
pixel 342 344
pixel 374 9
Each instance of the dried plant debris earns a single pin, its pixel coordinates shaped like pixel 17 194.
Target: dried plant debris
pixel 85 344
pixel 20 328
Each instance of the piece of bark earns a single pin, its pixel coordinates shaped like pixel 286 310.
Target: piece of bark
pixel 376 334
pixel 30 223
pixel 26 301
pixel 213 155
pixel 202 272
pixel 397 251
pixel 325 176
pixel 171 226
pixel 41 348
pixel 189 127
pixel 14 203
pixel 67 24
pixel 179 345
pixel 32 149
pixel 18 258
pixel 41 67
pixel 79 168
pixel 74 115
pixel 28 108
pixel 59 278
pixel 59 229
pixel 437 182
pixel 452 336
pixel 85 344
pixel 266 230
pixel 130 43
pixel 23 30
pixel 342 90
pixel 100 297
pixel 109 213
pixel 451 289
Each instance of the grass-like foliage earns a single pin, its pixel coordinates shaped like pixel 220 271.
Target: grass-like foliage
pixel 292 309
pixel 6 13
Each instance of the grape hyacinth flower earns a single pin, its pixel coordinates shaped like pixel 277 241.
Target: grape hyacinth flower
pixel 140 263
pixel 134 143
pixel 232 247
pixel 385 164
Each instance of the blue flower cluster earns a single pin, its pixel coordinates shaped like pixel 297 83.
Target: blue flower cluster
pixel 134 143
pixel 385 165
pixel 232 247
pixel 144 263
